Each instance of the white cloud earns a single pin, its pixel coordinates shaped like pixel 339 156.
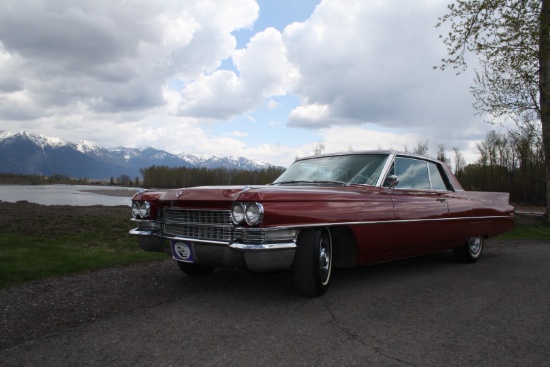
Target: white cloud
pixel 263 72
pixel 372 61
pixel 311 116
pixel 111 56
pixel 238 134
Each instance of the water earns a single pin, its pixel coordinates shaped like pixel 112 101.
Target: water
pixel 64 195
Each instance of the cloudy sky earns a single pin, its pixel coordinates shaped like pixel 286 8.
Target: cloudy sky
pixel 264 79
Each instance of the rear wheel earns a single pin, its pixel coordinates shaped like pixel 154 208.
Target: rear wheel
pixel 194 269
pixel 471 251
pixel 312 266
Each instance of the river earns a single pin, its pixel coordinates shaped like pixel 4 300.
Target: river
pixel 77 195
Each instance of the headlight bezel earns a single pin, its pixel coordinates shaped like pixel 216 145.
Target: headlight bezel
pixel 254 214
pixel 249 213
pixel 238 213
pixel 141 209
pixel 135 209
pixel 145 209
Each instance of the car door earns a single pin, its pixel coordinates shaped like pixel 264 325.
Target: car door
pixel 421 212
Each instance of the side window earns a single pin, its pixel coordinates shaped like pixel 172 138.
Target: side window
pixel 435 177
pixel 412 173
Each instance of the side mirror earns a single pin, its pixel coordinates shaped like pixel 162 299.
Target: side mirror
pixel 393 181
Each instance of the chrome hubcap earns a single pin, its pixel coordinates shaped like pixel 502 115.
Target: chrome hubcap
pixel 324 259
pixel 474 245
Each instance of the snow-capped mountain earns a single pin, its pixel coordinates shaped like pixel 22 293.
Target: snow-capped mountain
pixel 29 153
pixel 89 147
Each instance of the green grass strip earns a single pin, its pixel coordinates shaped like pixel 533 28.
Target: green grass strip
pixel 84 244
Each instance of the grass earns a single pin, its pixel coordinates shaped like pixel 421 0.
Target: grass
pixel 526 228
pixel 78 244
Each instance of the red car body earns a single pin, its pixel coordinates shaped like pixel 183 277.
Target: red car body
pixel 309 225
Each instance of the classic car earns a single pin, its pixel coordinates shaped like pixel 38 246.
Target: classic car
pixel 333 210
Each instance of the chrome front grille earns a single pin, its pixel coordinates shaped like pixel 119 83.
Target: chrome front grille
pixel 213 225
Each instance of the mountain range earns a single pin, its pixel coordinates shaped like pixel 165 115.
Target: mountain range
pixel 30 153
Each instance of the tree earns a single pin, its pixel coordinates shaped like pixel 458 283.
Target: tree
pixel 421 148
pixel 124 180
pixel 441 154
pixel 512 40
pixel 318 148
pixel 459 161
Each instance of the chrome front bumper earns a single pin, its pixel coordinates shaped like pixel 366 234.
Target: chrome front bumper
pixel 261 257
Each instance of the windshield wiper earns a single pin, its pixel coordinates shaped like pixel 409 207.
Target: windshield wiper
pixel 289 182
pixel 342 183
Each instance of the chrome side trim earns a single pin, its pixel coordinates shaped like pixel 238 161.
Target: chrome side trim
pixel 381 222
pixel 489 217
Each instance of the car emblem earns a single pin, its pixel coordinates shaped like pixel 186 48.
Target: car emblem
pixel 182 250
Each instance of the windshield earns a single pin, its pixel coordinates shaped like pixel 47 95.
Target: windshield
pixel 342 169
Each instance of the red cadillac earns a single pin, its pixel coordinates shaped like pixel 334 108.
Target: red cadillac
pixel 333 210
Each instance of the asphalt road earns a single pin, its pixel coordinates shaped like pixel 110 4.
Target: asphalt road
pixel 427 311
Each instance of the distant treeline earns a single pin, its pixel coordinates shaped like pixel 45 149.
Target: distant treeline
pixel 174 177
pixel 512 162
pixel 25 179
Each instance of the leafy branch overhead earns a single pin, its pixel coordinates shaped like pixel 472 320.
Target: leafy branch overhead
pixel 504 35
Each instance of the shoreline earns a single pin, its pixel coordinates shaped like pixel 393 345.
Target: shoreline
pixel 113 192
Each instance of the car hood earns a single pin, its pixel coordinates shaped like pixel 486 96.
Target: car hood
pixel 264 193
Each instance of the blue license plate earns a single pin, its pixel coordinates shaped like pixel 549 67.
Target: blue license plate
pixel 182 251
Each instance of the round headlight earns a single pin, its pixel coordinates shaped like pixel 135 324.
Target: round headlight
pixel 144 209
pixel 237 213
pixel 254 213
pixel 135 209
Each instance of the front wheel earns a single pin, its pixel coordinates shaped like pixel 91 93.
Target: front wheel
pixel 471 251
pixel 194 269
pixel 312 264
